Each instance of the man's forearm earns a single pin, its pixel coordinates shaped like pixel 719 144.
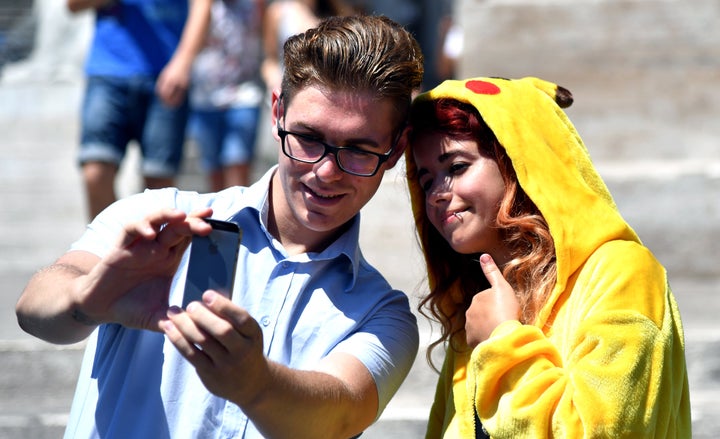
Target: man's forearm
pixel 290 406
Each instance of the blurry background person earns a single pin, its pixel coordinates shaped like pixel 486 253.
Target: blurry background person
pixel 138 72
pixel 427 20
pixel 450 45
pixel 227 92
pixel 284 18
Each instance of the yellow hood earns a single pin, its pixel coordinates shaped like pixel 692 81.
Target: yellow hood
pixel 605 357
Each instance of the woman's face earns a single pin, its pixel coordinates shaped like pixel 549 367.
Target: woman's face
pixel 463 190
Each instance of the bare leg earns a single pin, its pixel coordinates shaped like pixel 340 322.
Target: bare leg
pixel 237 175
pixel 234 175
pixel 99 178
pixel 216 180
pixel 159 182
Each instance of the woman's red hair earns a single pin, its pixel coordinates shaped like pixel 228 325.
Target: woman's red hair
pixel 454 278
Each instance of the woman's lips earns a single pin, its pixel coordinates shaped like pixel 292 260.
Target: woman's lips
pixel 454 216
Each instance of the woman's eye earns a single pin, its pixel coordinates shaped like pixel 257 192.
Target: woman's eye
pixel 456 168
pixel 426 184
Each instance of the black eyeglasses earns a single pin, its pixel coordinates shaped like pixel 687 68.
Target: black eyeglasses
pixel 308 149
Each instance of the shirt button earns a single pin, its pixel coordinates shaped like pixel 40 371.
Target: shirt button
pixel 265 321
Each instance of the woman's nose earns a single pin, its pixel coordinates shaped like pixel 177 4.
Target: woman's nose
pixel 439 192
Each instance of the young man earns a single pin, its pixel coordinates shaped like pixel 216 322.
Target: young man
pixel 314 342
pixel 138 73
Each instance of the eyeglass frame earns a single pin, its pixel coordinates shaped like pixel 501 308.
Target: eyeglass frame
pixel 332 149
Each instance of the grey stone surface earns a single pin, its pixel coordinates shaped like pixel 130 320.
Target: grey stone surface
pixel 647 86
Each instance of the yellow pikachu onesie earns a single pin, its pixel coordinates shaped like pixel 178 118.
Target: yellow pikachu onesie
pixel 605 358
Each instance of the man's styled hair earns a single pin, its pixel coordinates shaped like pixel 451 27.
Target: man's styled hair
pixel 355 53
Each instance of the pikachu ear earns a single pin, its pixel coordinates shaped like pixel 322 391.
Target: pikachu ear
pixel 563 97
pixel 560 95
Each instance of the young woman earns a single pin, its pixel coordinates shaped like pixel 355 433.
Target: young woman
pixel 557 321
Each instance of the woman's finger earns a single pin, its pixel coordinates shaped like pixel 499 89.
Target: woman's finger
pixel 491 271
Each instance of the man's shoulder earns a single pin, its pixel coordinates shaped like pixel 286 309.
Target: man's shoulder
pixel 370 279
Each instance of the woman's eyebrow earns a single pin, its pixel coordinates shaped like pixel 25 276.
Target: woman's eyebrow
pixel 446 156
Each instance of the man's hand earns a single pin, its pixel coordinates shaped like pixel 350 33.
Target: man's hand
pixel 131 284
pixel 224 343
pixel 491 307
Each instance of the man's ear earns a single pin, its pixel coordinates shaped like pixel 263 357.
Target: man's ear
pixel 276 110
pixel 400 147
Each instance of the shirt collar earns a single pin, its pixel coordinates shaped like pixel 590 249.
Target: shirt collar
pixel 346 246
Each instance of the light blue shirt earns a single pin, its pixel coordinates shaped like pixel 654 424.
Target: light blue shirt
pixel 134 384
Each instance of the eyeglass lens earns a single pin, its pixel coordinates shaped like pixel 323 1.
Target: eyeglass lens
pixel 312 150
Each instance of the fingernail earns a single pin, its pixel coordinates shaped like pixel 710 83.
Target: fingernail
pixel 173 311
pixel 167 325
pixel 208 296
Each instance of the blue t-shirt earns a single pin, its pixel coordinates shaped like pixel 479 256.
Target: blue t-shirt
pixel 136 37
pixel 134 384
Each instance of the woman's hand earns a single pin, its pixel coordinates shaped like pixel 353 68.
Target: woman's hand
pixel 491 307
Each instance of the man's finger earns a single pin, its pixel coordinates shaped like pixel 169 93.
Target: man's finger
pixel 187 349
pixel 204 212
pixel 179 231
pixel 150 226
pixel 238 317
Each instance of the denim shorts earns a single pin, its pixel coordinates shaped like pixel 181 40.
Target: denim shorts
pixel 117 111
pixel 224 137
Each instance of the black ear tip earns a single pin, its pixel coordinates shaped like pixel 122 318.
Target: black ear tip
pixel 563 97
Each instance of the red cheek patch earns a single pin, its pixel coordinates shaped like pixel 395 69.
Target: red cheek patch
pixel 482 87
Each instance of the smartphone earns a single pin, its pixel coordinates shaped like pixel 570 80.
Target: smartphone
pixel 213 260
